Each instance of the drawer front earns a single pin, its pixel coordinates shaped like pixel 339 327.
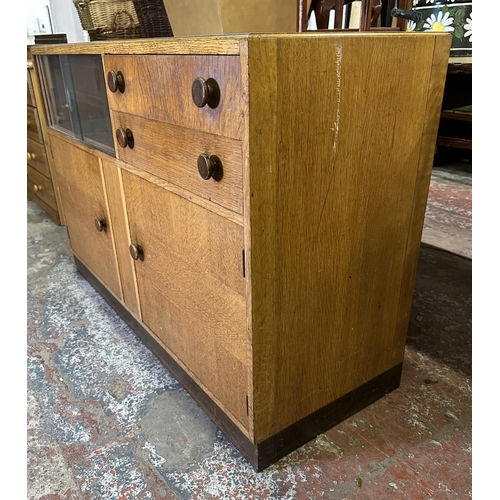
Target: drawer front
pixel 34 130
pixel 172 153
pixel 159 87
pixel 37 158
pixel 191 287
pixel 41 187
pixel 31 94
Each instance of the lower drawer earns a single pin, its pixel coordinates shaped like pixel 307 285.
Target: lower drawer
pixel 37 157
pixel 40 187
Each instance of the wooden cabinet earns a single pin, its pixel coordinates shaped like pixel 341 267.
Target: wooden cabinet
pixel 264 205
pixel 39 178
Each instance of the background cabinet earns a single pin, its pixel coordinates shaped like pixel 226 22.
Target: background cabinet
pixel 39 176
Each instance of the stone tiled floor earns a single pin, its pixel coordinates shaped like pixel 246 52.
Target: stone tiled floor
pixel 107 421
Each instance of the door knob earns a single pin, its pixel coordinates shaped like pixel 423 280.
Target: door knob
pixel 125 137
pixel 205 92
pixel 210 167
pixel 100 225
pixel 136 252
pixel 116 81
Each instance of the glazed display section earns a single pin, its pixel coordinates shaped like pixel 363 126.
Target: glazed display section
pixel 258 220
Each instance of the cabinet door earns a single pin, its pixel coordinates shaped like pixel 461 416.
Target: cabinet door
pixel 191 288
pixel 83 197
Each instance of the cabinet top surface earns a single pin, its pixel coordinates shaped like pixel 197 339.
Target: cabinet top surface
pixel 209 44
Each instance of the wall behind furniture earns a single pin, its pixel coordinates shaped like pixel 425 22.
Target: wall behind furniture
pixel 63 19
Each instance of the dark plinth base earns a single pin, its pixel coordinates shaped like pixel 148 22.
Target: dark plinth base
pixel 267 452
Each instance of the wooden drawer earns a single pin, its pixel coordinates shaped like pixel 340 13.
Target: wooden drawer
pixel 37 158
pixel 159 87
pixel 34 129
pixel 41 187
pixel 31 94
pixel 172 153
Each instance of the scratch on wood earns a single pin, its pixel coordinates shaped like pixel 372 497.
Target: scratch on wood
pixel 338 64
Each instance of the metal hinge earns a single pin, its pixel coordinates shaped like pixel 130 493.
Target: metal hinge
pixel 243 262
pixel 247 406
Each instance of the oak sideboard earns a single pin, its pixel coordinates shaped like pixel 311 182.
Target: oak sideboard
pixel 252 206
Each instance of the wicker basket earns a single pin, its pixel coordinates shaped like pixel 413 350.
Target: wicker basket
pixel 153 18
pixel 107 15
pixel 122 27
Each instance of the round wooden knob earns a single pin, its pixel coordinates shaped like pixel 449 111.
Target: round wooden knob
pixel 136 252
pixel 116 81
pixel 37 187
pixel 209 166
pixel 29 156
pixel 100 225
pixel 205 92
pixel 125 137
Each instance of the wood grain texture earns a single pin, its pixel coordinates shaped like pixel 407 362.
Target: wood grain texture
pixel 247 222
pixel 37 157
pixel 30 99
pixel 223 45
pixel 435 90
pixel 84 200
pixel 171 153
pixel 33 125
pixel 121 234
pixel 329 257
pixel 159 88
pixel 56 214
pixel 191 287
pixel 44 189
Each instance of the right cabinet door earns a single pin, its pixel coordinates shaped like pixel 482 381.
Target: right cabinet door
pixel 192 288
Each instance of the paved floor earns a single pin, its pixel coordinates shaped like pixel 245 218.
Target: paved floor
pixel 107 421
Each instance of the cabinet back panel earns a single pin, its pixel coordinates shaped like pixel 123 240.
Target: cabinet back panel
pixel 159 87
pixel 84 200
pixel 191 287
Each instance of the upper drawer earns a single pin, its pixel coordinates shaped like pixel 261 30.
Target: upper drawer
pixel 34 129
pixel 172 153
pixel 36 157
pixel 31 94
pixel 160 87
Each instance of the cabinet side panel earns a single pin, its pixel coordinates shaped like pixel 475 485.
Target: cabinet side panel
pixel 426 159
pixel 338 201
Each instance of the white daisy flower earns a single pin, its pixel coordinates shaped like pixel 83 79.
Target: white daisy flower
pixel 439 23
pixel 468 27
pixel 411 26
pixel 415 2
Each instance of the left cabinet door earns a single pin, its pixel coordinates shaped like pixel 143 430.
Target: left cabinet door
pixel 80 178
